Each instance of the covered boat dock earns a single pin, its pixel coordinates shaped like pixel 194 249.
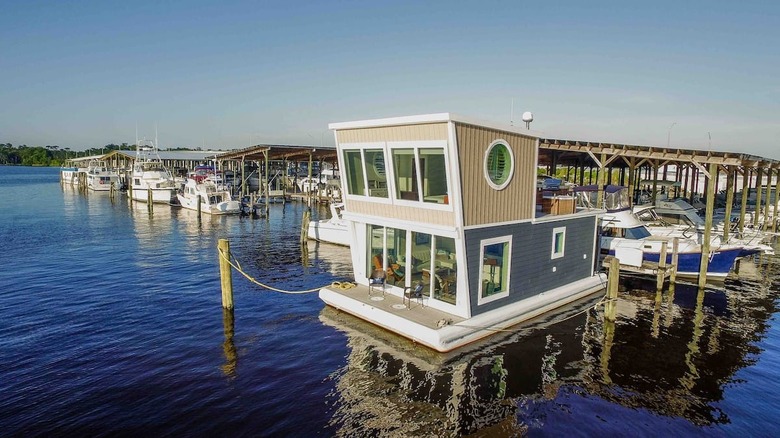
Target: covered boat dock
pixel 697 173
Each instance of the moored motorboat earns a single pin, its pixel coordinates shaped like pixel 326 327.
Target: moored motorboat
pixel 332 230
pixel 100 176
pixel 213 200
pixel 620 227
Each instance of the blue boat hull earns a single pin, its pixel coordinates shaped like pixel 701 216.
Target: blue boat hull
pixel 688 264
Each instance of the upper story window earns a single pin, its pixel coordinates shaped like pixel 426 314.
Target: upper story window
pixel 415 172
pixel 499 164
pixel 376 177
pixel 405 169
pixel 353 163
pixel 420 175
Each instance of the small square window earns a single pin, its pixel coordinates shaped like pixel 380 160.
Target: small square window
pixel 558 242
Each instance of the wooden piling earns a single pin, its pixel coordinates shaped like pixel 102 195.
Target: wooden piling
pixel 675 258
pixel 305 226
pixel 200 202
pixel 610 310
pixel 705 242
pixel 112 191
pixel 225 273
pixel 729 203
pixel 757 212
pixel 149 200
pixel 661 274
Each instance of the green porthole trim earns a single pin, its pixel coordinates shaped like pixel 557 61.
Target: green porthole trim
pixel 499 164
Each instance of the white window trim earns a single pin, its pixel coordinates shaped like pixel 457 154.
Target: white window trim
pixel 482 244
pixel 416 146
pixel 511 165
pixel 555 231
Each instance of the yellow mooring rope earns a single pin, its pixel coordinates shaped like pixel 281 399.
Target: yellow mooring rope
pixel 237 266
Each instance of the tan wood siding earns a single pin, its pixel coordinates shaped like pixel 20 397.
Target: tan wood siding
pixel 414 214
pixel 424 132
pixel 481 203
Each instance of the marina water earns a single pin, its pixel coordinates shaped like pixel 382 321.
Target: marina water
pixel 111 325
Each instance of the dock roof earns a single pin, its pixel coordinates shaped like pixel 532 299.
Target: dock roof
pixel 577 152
pixel 278 152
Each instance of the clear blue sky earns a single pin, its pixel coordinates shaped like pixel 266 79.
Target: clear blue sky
pixel 83 74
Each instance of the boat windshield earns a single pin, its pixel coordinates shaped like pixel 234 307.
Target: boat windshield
pixel 637 232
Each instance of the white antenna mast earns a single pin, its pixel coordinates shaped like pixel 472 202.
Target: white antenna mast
pixel 512 113
pixel 156 143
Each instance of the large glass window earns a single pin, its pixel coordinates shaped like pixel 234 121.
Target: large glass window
pixel 376 239
pixel 499 164
pixel 405 169
pixel 494 277
pixel 375 173
pixel 421 260
pixel 396 257
pixel 445 270
pixel 354 172
pixel 434 176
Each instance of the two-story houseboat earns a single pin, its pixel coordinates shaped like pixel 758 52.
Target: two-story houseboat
pixel 451 239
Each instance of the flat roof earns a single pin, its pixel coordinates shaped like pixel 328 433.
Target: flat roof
pixel 432 118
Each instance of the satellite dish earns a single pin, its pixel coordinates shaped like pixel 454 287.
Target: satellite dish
pixel 528 117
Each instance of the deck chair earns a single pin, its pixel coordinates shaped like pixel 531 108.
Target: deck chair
pixel 415 291
pixel 377 280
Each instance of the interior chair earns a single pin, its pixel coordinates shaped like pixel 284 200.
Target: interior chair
pixel 377 281
pixel 396 271
pixel 415 291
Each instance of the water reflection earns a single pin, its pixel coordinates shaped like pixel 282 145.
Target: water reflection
pixel 663 357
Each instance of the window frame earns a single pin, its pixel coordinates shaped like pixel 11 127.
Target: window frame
pixel 482 244
pixel 553 253
pixel 416 146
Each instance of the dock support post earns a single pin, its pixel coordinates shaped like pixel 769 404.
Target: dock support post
pixel 610 309
pixel 661 276
pixel 745 189
pixel 149 200
pixel 675 258
pixel 305 226
pixel 200 205
pixel 112 191
pixel 757 212
pixel 705 242
pixel 225 274
pixel 729 202
pixel 777 200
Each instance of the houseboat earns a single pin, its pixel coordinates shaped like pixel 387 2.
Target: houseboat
pixel 450 238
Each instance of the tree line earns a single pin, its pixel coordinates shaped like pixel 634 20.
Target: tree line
pixel 52 155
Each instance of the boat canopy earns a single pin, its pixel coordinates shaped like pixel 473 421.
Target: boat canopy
pixel 615 197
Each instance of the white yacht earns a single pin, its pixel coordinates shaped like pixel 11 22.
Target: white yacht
pixel 150 176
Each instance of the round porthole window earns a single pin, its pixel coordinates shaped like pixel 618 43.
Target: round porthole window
pixel 499 164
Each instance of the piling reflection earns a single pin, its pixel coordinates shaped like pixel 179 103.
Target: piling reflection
pixel 662 354
pixel 228 346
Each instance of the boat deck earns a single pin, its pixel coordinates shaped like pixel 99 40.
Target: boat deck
pixel 387 302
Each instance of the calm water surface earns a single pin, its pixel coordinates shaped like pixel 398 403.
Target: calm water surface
pixel 111 325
